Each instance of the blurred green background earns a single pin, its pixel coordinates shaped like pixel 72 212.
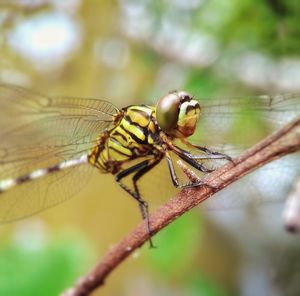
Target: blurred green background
pixel 131 52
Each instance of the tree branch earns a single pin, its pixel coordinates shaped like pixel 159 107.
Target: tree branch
pixel 282 142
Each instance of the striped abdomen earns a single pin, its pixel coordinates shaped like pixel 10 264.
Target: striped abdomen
pixel 7 184
pixel 133 136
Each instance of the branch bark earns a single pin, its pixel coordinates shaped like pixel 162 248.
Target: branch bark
pixel 280 143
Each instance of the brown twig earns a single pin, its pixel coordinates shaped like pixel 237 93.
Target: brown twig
pixel 282 142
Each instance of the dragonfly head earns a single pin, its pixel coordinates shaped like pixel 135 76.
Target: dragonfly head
pixel 177 114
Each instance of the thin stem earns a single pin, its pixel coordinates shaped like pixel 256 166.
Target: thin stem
pixel 282 142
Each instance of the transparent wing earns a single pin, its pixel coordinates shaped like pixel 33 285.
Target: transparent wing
pixel 230 125
pixel 32 197
pixel 37 132
pixel 242 121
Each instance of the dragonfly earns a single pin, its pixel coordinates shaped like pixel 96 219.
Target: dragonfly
pixel 48 145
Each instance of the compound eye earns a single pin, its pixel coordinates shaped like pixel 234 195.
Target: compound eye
pixel 167 110
pixel 184 96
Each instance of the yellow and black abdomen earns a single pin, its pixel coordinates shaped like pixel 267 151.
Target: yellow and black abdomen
pixel 132 136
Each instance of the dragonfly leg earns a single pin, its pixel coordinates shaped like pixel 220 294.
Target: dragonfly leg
pixel 139 170
pixel 175 178
pixel 186 156
pixel 209 153
pixel 212 154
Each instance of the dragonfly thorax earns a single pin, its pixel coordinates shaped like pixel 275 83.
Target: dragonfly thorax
pixel 177 114
pixel 133 135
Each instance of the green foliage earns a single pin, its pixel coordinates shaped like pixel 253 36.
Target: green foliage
pixel 176 246
pixel 201 284
pixel 42 269
pixel 202 83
